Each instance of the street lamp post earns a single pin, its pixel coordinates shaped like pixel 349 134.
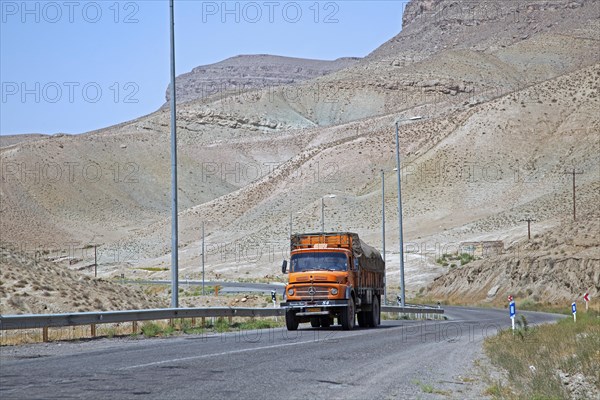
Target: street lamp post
pixel 331 196
pixel 400 233
pixel 174 222
pixel 202 258
pixel 383 232
pixel 322 215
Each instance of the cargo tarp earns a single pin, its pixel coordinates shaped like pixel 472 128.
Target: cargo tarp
pixel 368 257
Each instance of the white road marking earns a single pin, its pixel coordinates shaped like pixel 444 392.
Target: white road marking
pixel 226 353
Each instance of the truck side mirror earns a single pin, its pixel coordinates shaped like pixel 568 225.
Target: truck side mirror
pixel 284 267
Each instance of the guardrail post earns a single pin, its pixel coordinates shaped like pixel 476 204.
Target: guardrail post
pixel 230 319
pixel 203 322
pixel 45 334
pixel 193 322
pixel 134 327
pixel 93 330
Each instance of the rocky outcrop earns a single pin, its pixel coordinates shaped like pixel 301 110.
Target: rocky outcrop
pixel 240 74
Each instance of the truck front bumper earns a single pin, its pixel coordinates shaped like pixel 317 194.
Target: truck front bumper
pixel 314 308
pixel 301 305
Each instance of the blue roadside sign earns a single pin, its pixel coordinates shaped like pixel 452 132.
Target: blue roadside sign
pixel 574 308
pixel 512 309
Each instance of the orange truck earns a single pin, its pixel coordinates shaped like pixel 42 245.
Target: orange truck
pixel 333 276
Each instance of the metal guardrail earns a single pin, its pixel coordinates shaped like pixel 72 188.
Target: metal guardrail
pixel 34 321
pixel 413 309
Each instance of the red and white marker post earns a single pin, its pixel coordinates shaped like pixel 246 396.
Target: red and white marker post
pixel 586 297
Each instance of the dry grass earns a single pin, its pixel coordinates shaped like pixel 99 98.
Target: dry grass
pixel 533 357
pixel 147 329
pixel 28 336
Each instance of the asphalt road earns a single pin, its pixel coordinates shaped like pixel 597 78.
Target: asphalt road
pixel 399 360
pixel 226 287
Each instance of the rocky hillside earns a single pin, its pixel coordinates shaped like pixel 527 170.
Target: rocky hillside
pixel 507 105
pixel 29 285
pixel 558 265
pixel 250 72
pixel 9 140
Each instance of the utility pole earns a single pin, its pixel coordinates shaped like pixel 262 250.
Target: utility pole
pixel 174 228
pixel 573 172
pixel 400 233
pixel 322 215
pixel 202 258
pixel 383 232
pixel 331 196
pixel 529 221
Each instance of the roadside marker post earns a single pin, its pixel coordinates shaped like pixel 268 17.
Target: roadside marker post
pixel 274 299
pixel 586 297
pixel 512 309
pixel 574 311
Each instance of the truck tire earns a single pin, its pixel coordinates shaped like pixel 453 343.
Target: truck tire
pixel 325 322
pixel 348 316
pixel 290 321
pixel 315 322
pixel 374 316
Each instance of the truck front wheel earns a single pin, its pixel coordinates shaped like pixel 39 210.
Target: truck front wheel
pixel 347 318
pixel 374 316
pixel 290 320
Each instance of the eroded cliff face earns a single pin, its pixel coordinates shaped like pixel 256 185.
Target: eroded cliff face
pixel 557 266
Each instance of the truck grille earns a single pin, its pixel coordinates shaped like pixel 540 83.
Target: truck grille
pixel 313 292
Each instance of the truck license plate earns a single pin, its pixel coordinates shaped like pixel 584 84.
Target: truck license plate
pixel 313 309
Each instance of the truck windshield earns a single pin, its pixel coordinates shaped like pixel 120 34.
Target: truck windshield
pixel 319 261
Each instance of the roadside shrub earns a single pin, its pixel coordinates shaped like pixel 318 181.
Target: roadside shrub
pixel 151 329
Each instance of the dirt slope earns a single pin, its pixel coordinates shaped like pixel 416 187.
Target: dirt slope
pixel 560 264
pixel 30 285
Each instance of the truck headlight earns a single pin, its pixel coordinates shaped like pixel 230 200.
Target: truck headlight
pixel 334 291
pixel 290 292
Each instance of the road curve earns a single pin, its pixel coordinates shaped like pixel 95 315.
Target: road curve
pixel 395 361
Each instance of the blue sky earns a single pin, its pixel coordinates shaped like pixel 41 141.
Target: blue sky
pixel 76 66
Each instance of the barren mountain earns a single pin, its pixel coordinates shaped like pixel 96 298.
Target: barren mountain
pixel 508 102
pixel 9 140
pixel 250 72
